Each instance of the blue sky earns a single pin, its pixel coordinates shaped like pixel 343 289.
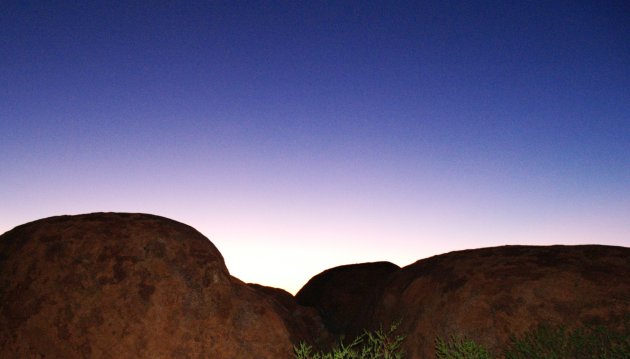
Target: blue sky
pixel 303 135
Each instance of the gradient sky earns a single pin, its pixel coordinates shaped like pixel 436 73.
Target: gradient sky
pixel 298 136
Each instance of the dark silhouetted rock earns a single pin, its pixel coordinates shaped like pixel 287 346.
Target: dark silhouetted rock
pixel 304 323
pixel 345 295
pixel 113 285
pixel 490 294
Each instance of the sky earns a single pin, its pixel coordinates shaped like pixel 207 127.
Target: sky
pixel 303 135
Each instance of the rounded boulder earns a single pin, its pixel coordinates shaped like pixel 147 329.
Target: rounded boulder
pixel 492 294
pixel 345 296
pixel 122 285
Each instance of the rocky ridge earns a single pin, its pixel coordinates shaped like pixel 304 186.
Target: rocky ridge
pixel 119 285
pixel 122 285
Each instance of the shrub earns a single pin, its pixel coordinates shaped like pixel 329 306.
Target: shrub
pixel 547 342
pixel 544 342
pixel 370 345
pixel 559 343
pixel 459 348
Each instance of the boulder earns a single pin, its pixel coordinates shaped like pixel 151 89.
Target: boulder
pixel 113 285
pixel 345 296
pixel 304 323
pixel 490 294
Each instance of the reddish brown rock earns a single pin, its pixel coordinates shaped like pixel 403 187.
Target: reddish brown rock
pixel 127 286
pixel 281 296
pixel 304 323
pixel 490 294
pixel 345 296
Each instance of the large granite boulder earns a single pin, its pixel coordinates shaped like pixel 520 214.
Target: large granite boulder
pixel 112 285
pixel 345 296
pixel 490 294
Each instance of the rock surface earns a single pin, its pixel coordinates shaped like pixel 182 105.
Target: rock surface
pixel 304 323
pixel 345 296
pixel 115 285
pixel 112 285
pixel 489 294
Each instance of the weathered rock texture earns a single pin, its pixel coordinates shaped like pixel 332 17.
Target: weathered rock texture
pixel 112 285
pixel 489 294
pixel 127 286
pixel 345 296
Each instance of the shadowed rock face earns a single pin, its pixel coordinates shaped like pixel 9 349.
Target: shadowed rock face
pixel 304 323
pixel 345 296
pixel 113 285
pixel 489 294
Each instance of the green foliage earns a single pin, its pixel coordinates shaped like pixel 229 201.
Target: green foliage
pixel 459 348
pixel 369 345
pixel 546 342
